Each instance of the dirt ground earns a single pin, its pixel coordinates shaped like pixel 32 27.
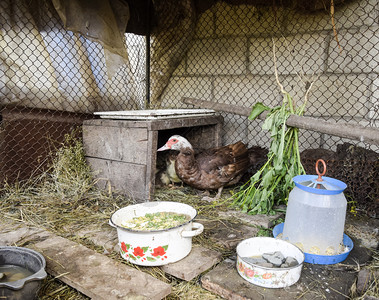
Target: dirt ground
pixel 224 229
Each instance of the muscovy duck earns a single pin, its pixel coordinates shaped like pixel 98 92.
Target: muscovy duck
pixel 211 169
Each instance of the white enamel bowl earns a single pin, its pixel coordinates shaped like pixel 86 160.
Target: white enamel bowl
pixel 268 277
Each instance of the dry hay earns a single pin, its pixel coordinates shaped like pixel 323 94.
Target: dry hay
pixel 52 288
pixel 65 199
pixel 65 195
pixel 62 199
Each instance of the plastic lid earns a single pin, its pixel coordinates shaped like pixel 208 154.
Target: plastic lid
pixel 318 184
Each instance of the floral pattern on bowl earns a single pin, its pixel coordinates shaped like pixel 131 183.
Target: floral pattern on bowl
pixel 253 274
pixel 142 254
pixel 265 276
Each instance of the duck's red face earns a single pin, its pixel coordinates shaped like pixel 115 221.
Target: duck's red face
pixel 172 141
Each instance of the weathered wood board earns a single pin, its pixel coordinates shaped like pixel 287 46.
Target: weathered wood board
pixel 199 260
pixel 96 275
pixel 124 152
pixel 116 143
pixel 126 177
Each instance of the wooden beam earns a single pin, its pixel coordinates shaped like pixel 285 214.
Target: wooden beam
pixel 355 132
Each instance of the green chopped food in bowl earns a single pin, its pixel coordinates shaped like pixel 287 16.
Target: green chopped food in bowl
pixel 156 221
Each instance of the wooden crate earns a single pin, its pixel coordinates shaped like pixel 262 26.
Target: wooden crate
pixel 123 153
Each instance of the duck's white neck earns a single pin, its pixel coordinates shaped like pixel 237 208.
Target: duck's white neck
pixel 181 143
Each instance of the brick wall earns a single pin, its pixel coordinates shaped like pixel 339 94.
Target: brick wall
pixel 231 61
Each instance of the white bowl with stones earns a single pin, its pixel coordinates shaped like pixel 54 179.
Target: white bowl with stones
pixel 269 262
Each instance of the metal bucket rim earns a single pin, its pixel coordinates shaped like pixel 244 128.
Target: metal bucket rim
pixel 38 275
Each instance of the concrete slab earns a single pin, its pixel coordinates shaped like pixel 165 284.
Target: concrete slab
pixel 225 281
pixel 225 233
pixel 199 260
pixel 332 282
pixel 96 275
pixel 104 236
pixel 253 220
pixel 364 229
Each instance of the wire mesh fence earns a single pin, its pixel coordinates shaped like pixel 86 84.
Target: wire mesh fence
pixel 51 79
pixel 231 61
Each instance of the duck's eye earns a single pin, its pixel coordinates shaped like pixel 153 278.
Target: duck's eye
pixel 174 140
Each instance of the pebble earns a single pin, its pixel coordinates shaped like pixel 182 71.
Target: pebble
pixel 254 260
pixel 289 262
pixel 276 258
pixel 272 260
pixel 267 265
pixel 2 275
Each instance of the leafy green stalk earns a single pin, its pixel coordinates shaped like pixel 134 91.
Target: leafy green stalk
pixel 273 182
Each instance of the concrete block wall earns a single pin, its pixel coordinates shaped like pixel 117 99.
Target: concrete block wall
pixel 231 61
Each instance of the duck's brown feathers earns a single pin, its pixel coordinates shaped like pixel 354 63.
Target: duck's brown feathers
pixel 213 168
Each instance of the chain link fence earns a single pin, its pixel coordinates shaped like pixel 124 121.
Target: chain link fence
pixel 52 79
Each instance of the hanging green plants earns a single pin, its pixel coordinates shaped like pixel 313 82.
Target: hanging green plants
pixel 272 183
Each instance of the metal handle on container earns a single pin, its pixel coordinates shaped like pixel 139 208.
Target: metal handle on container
pixel 19 284
pixel 198 229
pixel 318 172
pixel 41 274
pixel 111 223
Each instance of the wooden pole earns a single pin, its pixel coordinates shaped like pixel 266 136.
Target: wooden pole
pixel 356 132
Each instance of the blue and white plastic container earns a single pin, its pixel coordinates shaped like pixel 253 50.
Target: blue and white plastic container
pixel 316 213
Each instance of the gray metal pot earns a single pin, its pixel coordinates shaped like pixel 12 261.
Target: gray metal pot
pixel 26 288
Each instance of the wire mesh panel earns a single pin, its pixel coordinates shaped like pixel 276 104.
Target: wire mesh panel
pixel 51 78
pixel 231 61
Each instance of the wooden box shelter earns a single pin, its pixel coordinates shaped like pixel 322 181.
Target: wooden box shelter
pixel 122 149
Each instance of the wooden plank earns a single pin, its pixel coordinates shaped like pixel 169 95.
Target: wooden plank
pixel 44 115
pixel 204 137
pixel 184 122
pixel 122 176
pixel 199 260
pixel 151 158
pixel 229 108
pixel 196 262
pixel 96 275
pixel 218 134
pixel 116 123
pixel 116 143
pixel 345 130
pixel 154 114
